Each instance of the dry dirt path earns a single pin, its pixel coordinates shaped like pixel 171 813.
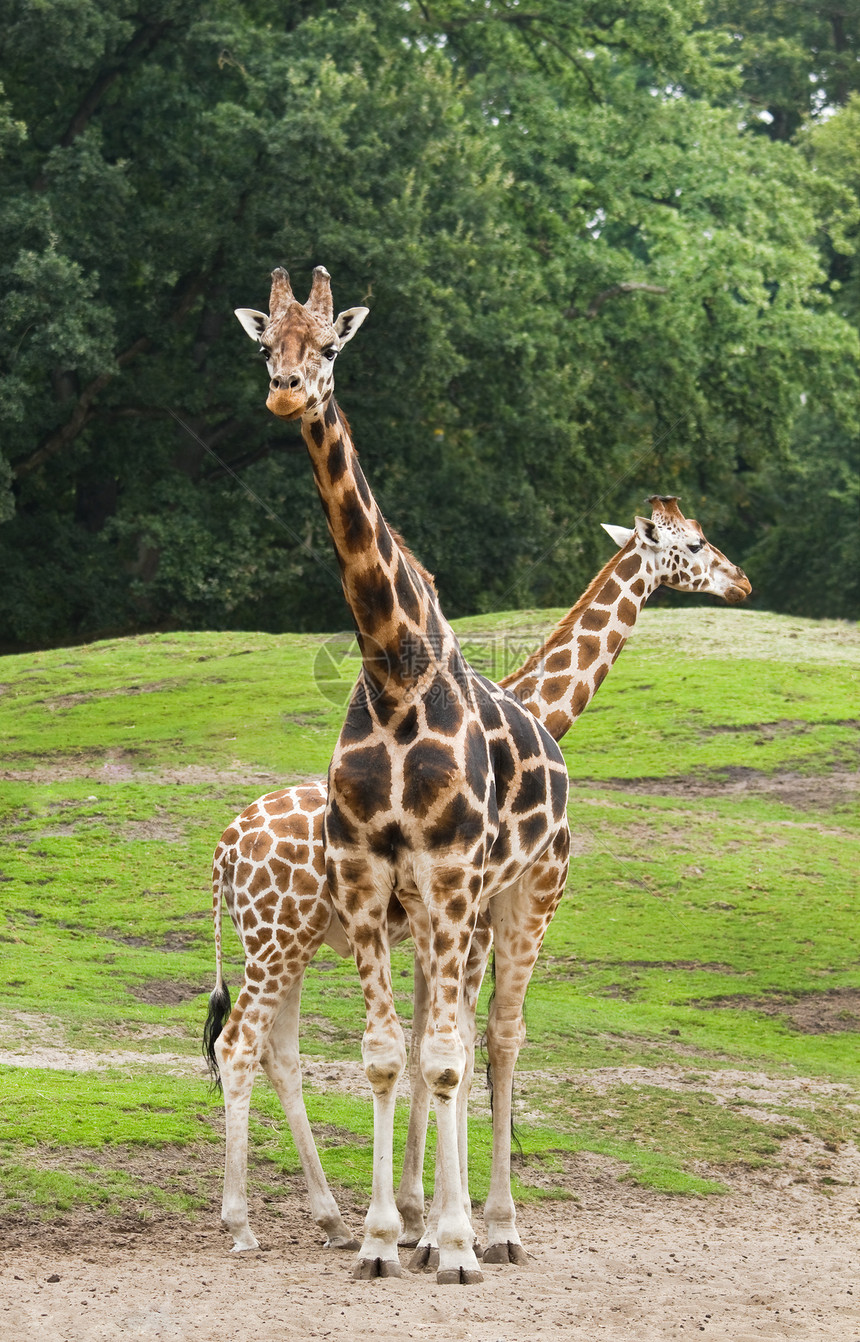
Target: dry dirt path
pixel 767 1261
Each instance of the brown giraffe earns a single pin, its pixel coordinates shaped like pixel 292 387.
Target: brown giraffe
pixel 282 911
pixel 442 791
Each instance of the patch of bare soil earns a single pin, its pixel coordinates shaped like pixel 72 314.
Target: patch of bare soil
pixel 166 992
pixel 829 1012
pixel 769 730
pixel 173 940
pixel 812 791
pixel 772 1261
pixel 124 691
pixel 84 1060
pixel 569 966
pixel 124 766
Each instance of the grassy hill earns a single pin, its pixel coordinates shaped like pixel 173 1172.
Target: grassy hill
pixel 710 922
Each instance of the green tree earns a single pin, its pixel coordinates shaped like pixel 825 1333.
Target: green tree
pixel 797 59
pixel 586 283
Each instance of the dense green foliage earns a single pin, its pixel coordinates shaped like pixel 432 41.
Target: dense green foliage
pixel 592 273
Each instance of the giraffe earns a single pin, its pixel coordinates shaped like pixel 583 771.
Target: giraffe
pixel 442 790
pixel 666 549
pixel 269 869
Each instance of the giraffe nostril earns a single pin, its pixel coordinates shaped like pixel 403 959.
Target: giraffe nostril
pixel 283 383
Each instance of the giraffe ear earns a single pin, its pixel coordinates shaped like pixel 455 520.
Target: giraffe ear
pixel 648 532
pixel 254 322
pixel 621 535
pixel 347 323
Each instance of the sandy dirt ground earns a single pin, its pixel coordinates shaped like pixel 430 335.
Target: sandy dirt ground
pixel 771 1260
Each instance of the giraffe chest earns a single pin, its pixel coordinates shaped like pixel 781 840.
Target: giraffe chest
pixel 483 783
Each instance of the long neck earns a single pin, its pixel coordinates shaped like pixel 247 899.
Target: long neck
pixel 393 601
pixel 562 677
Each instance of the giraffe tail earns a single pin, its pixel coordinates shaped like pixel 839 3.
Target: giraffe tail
pixel 219 1000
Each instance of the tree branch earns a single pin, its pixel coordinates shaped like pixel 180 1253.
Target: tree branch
pixel 80 416
pixel 143 41
pixel 625 287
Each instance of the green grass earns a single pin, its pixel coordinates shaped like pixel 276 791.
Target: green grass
pixel 690 905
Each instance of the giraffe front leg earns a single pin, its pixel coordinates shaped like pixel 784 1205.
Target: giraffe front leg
pixel 363 907
pixel 426 1256
pixel 453 914
pixel 410 1192
pixel 384 1055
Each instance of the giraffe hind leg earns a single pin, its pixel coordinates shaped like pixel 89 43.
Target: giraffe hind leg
pixel 238 1050
pixel 283 1068
pixel 521 915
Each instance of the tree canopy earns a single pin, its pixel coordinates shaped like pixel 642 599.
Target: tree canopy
pixel 593 269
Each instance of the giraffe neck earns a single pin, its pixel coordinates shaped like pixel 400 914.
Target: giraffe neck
pixel 562 677
pixel 398 620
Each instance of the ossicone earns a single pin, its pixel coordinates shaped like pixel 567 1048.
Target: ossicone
pixel 282 294
pixel 320 299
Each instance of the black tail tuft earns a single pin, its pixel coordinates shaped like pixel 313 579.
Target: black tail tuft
pixel 220 1007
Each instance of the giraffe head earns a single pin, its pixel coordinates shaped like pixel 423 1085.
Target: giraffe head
pixel 681 558
pixel 300 342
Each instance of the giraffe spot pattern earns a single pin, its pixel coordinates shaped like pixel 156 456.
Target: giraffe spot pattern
pixel 627 612
pixel 588 649
pixel 336 461
pixel 626 567
pixel 406 593
pixel 594 619
pixel 442 710
pixel 363 779
pixel 354 522
pixel 532 790
pixel 558 661
pixel 373 597
pixel 459 823
pixel 407 729
pixel 428 769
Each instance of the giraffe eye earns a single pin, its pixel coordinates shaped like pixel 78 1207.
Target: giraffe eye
pixel 266 353
pixel 329 352
pixel 694 549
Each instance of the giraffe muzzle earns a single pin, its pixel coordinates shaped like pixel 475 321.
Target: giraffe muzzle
pixel 288 399
pixel 739 590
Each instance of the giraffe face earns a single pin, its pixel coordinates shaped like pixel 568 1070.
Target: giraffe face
pixel 300 342
pixel 683 559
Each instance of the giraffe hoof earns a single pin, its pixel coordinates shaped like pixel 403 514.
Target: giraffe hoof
pixel 408 1241
pixel 459 1276
pixel 424 1259
pixel 368 1268
pixel 507 1252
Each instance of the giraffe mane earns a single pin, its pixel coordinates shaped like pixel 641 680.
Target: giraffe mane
pixel 562 629
pixel 410 558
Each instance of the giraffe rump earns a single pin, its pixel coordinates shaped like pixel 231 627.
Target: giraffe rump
pixel 220 1007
